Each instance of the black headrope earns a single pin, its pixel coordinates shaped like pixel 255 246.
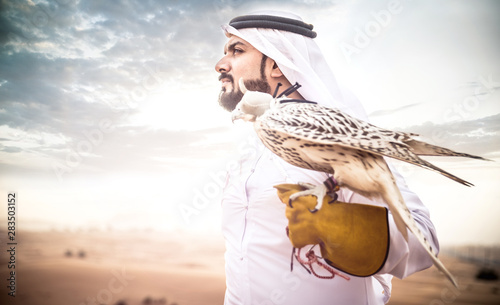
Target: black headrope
pixel 273 22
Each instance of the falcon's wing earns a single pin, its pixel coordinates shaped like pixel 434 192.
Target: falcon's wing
pixel 329 126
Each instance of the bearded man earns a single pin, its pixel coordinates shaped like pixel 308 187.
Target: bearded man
pixel 267 48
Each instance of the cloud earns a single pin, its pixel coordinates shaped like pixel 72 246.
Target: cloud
pixel 479 136
pixel 67 65
pixel 10 149
pixel 121 149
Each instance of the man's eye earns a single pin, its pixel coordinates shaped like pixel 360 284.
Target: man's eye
pixel 236 51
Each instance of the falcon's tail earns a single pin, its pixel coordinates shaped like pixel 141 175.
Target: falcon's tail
pixel 425 149
pixel 432 167
pixel 404 219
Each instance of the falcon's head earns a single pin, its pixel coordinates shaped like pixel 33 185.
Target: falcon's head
pixel 252 105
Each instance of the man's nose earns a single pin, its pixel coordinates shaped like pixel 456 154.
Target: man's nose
pixel 222 65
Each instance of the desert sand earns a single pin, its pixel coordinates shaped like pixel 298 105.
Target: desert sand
pixel 131 268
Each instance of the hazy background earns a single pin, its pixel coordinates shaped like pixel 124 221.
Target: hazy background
pixel 109 117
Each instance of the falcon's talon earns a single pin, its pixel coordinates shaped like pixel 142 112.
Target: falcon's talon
pixel 334 196
pixel 315 190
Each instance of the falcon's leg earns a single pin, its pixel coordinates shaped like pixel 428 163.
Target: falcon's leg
pixel 329 186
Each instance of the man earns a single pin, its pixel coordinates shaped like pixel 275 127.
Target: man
pixel 265 49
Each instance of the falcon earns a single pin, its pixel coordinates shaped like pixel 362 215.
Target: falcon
pixel 315 137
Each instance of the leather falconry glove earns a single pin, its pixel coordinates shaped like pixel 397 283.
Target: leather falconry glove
pixel 353 238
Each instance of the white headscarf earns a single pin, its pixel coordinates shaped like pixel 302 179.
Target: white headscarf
pixel 300 60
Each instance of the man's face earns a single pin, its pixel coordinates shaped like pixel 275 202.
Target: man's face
pixel 240 59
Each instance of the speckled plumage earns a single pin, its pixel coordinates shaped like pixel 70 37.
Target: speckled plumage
pixel 294 128
pixel 324 139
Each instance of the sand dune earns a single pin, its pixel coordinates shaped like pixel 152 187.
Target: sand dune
pixel 116 268
pixel 123 268
pixel 430 287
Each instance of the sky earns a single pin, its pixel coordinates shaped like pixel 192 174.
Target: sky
pixel 109 117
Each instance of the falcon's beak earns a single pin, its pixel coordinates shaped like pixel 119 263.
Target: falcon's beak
pixel 237 114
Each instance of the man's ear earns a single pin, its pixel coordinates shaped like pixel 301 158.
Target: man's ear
pixel 276 72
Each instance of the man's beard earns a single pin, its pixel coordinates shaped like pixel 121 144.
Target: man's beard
pixel 229 100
